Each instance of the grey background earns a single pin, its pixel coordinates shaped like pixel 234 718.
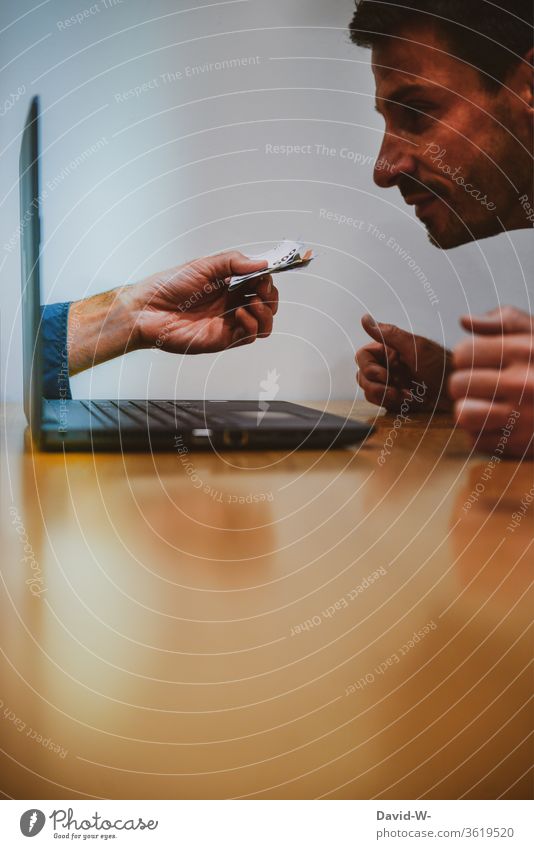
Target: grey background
pixel 182 170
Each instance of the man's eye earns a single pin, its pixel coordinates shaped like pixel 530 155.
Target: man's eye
pixel 419 108
pixel 417 115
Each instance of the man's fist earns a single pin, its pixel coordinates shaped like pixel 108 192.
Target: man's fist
pixel 390 366
pixel 493 381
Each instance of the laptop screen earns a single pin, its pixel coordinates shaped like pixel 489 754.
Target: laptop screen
pixel 30 238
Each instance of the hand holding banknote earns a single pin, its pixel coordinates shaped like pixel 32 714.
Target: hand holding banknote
pixel 285 256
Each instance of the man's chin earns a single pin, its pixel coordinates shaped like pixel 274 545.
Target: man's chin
pixel 447 237
pixel 445 240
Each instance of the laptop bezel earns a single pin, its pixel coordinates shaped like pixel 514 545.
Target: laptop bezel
pixel 30 247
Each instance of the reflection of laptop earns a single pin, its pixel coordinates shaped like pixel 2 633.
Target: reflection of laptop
pixel 145 425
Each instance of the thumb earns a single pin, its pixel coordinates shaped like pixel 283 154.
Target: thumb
pixel 230 263
pixel 388 334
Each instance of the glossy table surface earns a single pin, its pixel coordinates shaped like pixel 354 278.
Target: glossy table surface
pixel 349 624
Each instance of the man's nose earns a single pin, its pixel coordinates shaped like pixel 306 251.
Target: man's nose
pixel 396 158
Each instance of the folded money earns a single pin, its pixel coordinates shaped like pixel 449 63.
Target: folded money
pixel 285 256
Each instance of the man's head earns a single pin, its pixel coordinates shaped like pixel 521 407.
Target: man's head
pixel 454 85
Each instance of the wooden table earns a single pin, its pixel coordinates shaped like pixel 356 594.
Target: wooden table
pixel 265 626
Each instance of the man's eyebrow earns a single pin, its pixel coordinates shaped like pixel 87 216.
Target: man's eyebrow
pixel 400 93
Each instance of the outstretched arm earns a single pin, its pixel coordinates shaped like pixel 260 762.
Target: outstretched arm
pixel 185 310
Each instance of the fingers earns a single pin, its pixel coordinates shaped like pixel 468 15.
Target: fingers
pixel 254 315
pixel 261 307
pixel 494 377
pixel 268 293
pixel 246 330
pixel 370 356
pixel 380 394
pixel 499 321
pixel 497 427
pixel 392 337
pixel 480 383
pixel 230 263
pixel 492 402
pixel 476 415
pixel 372 364
pixel 263 315
pixel 514 384
pixel 493 351
pixel 376 374
pixel 372 375
pixel 379 377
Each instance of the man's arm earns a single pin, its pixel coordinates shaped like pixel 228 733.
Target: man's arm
pixel 54 332
pixel 185 310
pixel 101 328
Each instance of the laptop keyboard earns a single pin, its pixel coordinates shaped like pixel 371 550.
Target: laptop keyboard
pixel 155 415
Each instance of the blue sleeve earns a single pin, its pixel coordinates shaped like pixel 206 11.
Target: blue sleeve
pixel 54 330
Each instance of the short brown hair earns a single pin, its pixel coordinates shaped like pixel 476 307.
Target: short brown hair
pixel 485 34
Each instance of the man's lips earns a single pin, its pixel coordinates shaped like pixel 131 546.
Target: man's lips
pixel 421 201
pixel 418 200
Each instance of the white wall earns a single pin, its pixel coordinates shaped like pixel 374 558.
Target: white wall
pixel 183 170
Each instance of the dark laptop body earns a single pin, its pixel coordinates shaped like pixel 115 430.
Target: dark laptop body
pixel 142 425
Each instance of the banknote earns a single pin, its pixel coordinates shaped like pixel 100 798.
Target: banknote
pixel 283 257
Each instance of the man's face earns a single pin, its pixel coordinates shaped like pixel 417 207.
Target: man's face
pixel 455 149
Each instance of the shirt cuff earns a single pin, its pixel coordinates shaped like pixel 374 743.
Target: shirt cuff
pixel 54 338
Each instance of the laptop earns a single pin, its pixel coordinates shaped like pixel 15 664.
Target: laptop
pixel 145 425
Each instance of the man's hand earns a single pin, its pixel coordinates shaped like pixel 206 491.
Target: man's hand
pixel 188 309
pixel 493 381
pixel 185 310
pixel 389 367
